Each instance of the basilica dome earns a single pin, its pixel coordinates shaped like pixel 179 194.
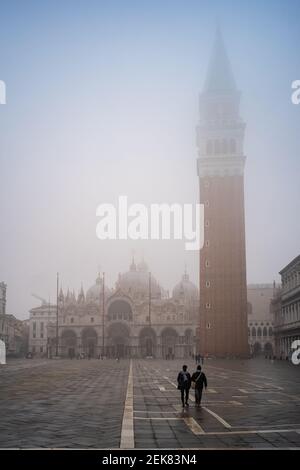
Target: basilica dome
pixel 135 282
pixel 95 292
pixel 185 291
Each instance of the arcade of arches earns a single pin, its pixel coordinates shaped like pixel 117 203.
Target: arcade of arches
pixel 124 339
pixel 119 342
pixel 121 322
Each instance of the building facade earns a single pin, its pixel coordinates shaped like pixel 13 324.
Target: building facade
pixel 12 332
pixel 260 319
pixel 41 321
pixel 134 319
pixel 285 306
pixel 220 135
pixel 2 298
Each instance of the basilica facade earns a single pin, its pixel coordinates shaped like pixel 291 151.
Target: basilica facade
pixel 135 319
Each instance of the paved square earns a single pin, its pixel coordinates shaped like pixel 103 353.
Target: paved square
pixel 110 404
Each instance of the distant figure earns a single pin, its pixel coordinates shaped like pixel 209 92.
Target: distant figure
pixel 198 380
pixel 184 385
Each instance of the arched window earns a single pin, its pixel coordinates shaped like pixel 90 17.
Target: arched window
pixel 270 331
pixel 265 332
pixel 209 147
pixel 253 332
pixel 119 309
pixel 259 332
pixel 224 146
pixel 217 147
pixel 232 146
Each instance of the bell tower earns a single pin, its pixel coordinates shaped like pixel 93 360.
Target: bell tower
pixel 220 134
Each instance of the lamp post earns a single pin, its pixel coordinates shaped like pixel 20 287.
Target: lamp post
pixel 103 314
pixel 57 282
pixel 149 299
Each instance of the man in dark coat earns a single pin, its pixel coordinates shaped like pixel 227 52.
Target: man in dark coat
pixel 184 385
pixel 199 378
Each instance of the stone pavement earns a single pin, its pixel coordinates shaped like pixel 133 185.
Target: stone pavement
pixel 62 403
pixel 248 404
pixel 80 404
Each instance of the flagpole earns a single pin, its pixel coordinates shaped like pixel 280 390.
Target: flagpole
pixel 149 299
pixel 103 314
pixel 57 282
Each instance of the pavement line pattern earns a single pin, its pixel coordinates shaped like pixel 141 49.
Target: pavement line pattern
pixel 170 382
pixel 127 432
pixel 285 426
pixel 244 373
pixel 157 419
pixel 221 420
pixel 243 390
pixel 154 412
pixel 256 431
pixel 275 386
pixel 193 426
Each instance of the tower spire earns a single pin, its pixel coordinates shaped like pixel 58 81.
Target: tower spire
pixel 219 78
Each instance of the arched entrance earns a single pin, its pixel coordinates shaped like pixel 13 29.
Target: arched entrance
pixel 147 342
pixel 169 339
pixel 89 339
pixel 268 349
pixel 257 349
pixel 68 343
pixel 118 340
pixel 119 309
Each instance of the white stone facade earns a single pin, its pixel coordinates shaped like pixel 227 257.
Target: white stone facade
pixel 260 319
pixel 41 318
pixel 286 308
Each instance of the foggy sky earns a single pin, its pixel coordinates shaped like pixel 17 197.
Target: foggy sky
pixel 102 100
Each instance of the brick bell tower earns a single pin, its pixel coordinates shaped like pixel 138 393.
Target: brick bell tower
pixel 223 290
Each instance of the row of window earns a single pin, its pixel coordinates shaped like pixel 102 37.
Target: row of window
pixel 49 314
pixel 290 281
pixel 259 332
pixel 34 329
pixel 72 320
pixel 34 349
pixel 224 147
pixel 291 312
pixel 120 316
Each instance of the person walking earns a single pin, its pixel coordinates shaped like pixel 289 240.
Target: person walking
pixel 198 381
pixel 184 385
